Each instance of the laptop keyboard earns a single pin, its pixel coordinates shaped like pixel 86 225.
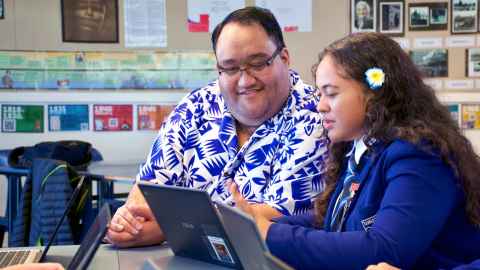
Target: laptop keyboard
pixel 13 257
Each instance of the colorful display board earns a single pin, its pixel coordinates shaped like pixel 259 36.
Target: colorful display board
pixel 454 112
pixel 471 116
pixel 102 70
pixel 151 117
pixel 112 117
pixel 22 118
pixel 65 117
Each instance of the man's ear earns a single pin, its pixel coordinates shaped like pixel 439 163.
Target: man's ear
pixel 285 56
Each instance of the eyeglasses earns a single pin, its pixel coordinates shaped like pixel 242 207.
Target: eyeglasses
pixel 252 67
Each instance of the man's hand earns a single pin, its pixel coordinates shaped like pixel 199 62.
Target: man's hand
pixel 134 224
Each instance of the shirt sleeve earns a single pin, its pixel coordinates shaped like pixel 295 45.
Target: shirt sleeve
pixel 418 199
pixel 164 162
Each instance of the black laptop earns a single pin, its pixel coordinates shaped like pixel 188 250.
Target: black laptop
pixel 85 252
pixel 31 255
pixel 191 224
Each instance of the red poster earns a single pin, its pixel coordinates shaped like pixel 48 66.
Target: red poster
pixel 112 117
pixel 151 117
pixel 201 26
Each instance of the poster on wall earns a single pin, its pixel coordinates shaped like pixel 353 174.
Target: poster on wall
pixel 66 117
pixel 471 116
pixel 1 10
pixel 204 15
pixel 454 112
pixel 464 16
pixel 107 117
pixel 105 70
pixel 151 117
pixel 363 15
pixel 93 21
pixel 293 16
pixel 22 118
pixel 145 23
pixel 473 62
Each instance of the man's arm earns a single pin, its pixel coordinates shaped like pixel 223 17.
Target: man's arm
pixel 134 223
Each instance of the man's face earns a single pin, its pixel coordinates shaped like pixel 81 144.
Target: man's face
pixel 362 10
pixel 90 14
pixel 256 94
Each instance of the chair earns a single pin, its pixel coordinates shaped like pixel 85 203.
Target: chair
pixel 13 192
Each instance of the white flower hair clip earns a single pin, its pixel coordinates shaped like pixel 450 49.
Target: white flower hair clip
pixel 375 78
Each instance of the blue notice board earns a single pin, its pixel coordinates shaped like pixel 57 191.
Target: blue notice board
pixel 66 117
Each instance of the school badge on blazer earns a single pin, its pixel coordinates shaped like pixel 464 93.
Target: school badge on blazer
pixel 368 222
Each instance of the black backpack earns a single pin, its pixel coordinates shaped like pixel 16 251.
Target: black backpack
pixel 77 154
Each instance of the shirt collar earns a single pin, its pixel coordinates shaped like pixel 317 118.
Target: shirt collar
pixel 359 148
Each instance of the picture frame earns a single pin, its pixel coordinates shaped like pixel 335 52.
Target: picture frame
pixel 433 63
pixel 391 17
pixel 2 9
pixel 464 16
pixel 438 15
pixel 418 16
pixel 90 21
pixel 428 16
pixel 473 62
pixel 363 16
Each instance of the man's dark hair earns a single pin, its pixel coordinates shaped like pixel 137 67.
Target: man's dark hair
pixel 250 16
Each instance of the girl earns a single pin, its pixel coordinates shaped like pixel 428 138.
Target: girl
pixel 403 183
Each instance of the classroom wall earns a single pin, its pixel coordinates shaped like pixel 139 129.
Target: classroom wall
pixel 36 25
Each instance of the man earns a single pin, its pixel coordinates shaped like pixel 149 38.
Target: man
pixel 7 80
pixel 256 126
pixel 363 19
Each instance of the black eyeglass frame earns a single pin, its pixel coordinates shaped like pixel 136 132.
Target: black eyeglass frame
pixel 248 66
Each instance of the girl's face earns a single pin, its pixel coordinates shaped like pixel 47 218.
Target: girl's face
pixel 342 102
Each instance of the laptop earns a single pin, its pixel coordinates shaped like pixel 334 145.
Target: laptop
pixel 192 226
pixel 92 240
pixel 275 263
pixel 245 237
pixel 31 255
pixel 88 246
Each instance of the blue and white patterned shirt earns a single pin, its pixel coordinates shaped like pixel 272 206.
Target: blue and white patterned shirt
pixel 280 165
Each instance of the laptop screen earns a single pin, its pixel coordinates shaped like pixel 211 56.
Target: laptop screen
pixel 92 240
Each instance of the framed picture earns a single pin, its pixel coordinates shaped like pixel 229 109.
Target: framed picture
pixel 428 16
pixel 473 62
pixel 2 7
pixel 419 16
pixel 363 15
pixel 464 16
pixel 432 63
pixel 90 21
pixel 438 15
pixel 391 17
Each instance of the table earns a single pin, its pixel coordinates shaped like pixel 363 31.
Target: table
pixel 108 173
pixel 148 258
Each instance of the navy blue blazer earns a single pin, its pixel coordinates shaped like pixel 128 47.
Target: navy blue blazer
pixel 409 211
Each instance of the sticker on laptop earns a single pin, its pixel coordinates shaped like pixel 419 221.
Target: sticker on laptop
pixel 221 250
